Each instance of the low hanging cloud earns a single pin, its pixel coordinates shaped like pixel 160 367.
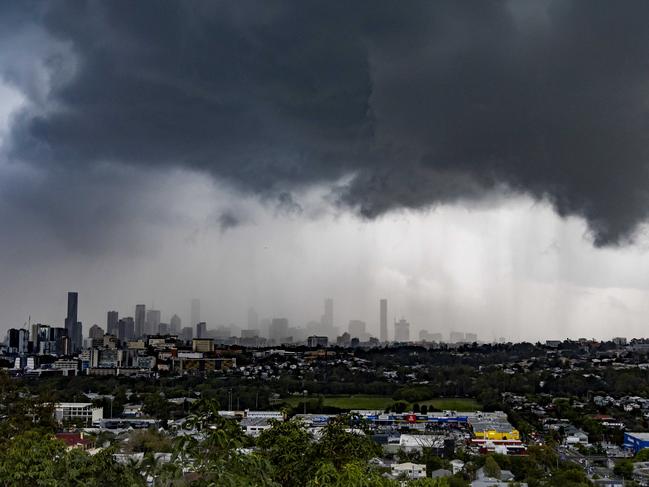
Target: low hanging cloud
pixel 412 106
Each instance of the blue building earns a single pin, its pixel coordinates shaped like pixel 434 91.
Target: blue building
pixel 636 441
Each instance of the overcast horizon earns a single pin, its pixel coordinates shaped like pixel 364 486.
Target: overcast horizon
pixel 482 165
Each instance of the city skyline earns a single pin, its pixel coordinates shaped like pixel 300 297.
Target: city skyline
pixel 503 193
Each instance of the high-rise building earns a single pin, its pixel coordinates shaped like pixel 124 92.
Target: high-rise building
pixel 201 329
pixel 316 341
pixel 402 331
pixel 18 340
pixel 175 324
pixel 163 329
pixel 383 312
pixel 195 312
pixel 126 329
pixel 187 334
pixel 471 337
pixel 96 331
pixel 152 321
pixel 357 329
pixel 111 323
pixel 72 324
pixel 77 337
pixel 278 330
pixel 140 320
pixel 328 316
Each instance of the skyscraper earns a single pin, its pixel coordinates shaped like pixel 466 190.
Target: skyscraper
pixel 278 330
pixel 72 324
pixel 140 320
pixel 126 329
pixel 328 316
pixel 402 331
pixel 152 321
pixel 201 329
pixel 111 323
pixel 71 316
pixel 195 312
pixel 175 324
pixel 96 332
pixel 384 319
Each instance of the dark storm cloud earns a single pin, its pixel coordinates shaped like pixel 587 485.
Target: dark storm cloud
pixel 424 102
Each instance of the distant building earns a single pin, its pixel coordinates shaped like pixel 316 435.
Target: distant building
pixel 72 324
pixel 96 332
pixel 163 329
pixel 357 329
pixel 187 333
pixel 18 340
pixel 126 329
pixel 619 341
pixel 471 337
pixel 140 320
pixel 317 341
pixel 402 331
pixel 201 330
pixel 278 330
pixel 111 322
pixel 152 321
pixel 383 316
pixel 195 312
pixel 457 337
pixel 202 345
pixel 411 471
pixel 81 412
pixel 175 324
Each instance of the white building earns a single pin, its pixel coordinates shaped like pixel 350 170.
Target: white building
pixel 410 470
pixel 83 412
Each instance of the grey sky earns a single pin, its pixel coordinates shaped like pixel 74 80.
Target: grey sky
pixel 483 165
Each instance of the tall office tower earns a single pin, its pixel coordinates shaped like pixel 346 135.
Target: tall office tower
pixel 278 330
pixel 96 331
pixel 187 333
pixel 201 329
pixel 402 331
pixel 126 329
pixel 111 323
pixel 152 321
pixel 328 316
pixel 253 319
pixel 175 324
pixel 71 317
pixel 195 312
pixel 384 319
pixel 33 335
pixel 140 320
pixel 77 337
pixel 18 340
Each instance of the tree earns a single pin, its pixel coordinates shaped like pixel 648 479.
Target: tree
pixel 624 468
pixel 289 449
pixel 491 468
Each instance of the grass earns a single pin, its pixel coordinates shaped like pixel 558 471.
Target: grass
pixel 453 404
pixel 360 401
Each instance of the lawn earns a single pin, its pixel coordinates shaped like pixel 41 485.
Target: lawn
pixel 453 404
pixel 381 402
pixel 348 402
